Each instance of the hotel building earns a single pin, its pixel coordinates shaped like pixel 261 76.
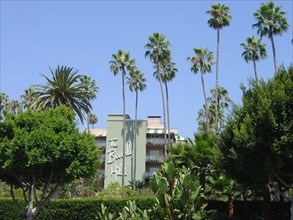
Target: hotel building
pixel 149 144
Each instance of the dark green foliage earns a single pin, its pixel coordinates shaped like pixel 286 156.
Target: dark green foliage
pixel 86 209
pixel 257 143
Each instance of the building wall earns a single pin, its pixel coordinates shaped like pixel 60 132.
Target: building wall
pixel 114 150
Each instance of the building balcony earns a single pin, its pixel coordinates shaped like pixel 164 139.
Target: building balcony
pixel 158 141
pixel 102 159
pixel 155 159
pixel 147 175
pixel 100 143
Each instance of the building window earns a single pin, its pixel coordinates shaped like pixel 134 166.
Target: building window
pixel 154 169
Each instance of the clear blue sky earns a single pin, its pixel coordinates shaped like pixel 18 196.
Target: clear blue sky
pixel 36 35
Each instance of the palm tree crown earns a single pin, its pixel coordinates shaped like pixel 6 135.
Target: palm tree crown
pixel 220 16
pixel 63 89
pixel 136 81
pixel 254 50
pixel 121 62
pixel 270 22
pixel 202 61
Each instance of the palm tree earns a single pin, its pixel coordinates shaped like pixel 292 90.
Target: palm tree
pixel 63 89
pixel 158 51
pixel 3 103
pixel 122 62
pixel 91 91
pixel 220 18
pixel 92 119
pixel 168 74
pixel 254 50
pixel 28 98
pixel 136 83
pixel 14 106
pixel 270 22
pixel 202 61
pixel 224 101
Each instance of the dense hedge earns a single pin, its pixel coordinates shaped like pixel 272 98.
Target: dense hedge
pixel 86 209
pixel 71 209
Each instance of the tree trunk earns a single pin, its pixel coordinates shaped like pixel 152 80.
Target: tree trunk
pixel 266 202
pixel 231 207
pixel 274 54
pixel 135 144
pixel 205 102
pixel 163 103
pixel 217 77
pixel 123 132
pixel 168 114
pixel 30 205
pixel 255 73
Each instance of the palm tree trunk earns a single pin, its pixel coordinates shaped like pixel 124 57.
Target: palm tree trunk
pixel 255 73
pixel 217 77
pixel 163 103
pixel 274 54
pixel 168 114
pixel 205 102
pixel 123 132
pixel 135 145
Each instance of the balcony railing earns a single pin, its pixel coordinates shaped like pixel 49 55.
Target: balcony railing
pixel 158 141
pixel 100 143
pixel 147 175
pixel 155 159
pixel 102 158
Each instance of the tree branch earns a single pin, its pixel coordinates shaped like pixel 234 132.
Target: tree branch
pixel 282 181
pixel 21 211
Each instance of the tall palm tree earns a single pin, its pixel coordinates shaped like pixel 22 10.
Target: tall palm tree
pixel 201 62
pixel 28 98
pixel 3 103
pixel 91 91
pixel 92 119
pixel 224 101
pixel 220 18
pixel 270 22
pixel 157 49
pixel 136 83
pixel 168 74
pixel 63 89
pixel 254 50
pixel 122 62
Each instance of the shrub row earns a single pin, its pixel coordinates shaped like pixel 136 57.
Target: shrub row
pixel 86 209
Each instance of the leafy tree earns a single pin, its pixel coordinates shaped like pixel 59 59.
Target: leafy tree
pixel 157 49
pixel 254 50
pixel 122 62
pixel 63 89
pixel 202 61
pixel 40 151
pixel 257 141
pixel 136 83
pixel 270 22
pixel 220 18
